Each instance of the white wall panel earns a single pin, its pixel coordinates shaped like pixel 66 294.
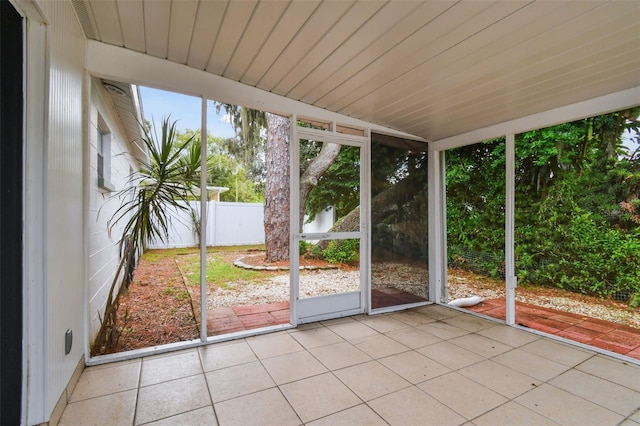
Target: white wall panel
pixel 64 257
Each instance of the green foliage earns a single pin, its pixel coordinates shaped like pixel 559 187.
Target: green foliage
pixel 577 207
pixel 589 257
pixel 342 251
pixel 162 184
pixel 224 167
pixel 250 126
pixel 635 301
pixel 475 205
pixel 220 272
pixel 339 186
pixel 304 247
pixel 399 203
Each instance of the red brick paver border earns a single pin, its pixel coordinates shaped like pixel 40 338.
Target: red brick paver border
pixel 602 334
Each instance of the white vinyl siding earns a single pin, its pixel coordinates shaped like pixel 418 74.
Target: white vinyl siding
pixel 64 221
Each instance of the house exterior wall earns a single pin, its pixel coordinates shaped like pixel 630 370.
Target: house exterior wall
pixel 63 235
pixel 104 242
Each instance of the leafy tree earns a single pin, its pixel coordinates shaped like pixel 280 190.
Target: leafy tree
pixel 250 142
pixel 224 169
pixel 338 187
pixel 251 128
pixel 399 204
pixel 316 159
pixel 577 216
pixel 475 206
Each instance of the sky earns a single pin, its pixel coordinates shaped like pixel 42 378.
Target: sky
pixel 157 104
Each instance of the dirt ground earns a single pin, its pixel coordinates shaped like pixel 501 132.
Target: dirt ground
pixel 159 308
pixel 156 309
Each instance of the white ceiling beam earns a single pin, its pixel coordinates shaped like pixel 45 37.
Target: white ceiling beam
pixel 579 110
pixel 116 63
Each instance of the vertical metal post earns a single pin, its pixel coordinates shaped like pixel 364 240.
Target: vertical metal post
pixel 294 208
pixel 444 271
pixel 509 249
pixel 203 222
pixel 365 223
pixel 437 230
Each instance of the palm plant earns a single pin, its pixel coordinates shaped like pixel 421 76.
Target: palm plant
pixel 164 182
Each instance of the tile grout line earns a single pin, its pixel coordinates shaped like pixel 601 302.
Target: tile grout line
pixel 276 385
pixel 206 381
pixel 135 409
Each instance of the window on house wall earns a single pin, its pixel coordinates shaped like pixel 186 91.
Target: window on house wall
pixel 103 148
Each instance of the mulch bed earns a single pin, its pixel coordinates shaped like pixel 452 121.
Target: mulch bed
pixel 156 309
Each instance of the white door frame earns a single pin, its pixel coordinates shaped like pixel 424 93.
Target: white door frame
pixel 335 305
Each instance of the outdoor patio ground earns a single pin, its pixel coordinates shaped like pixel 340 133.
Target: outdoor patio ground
pixel 605 335
pixel 602 334
pixel 238 318
pixel 423 366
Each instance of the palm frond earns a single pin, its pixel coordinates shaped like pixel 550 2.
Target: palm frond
pixel 163 183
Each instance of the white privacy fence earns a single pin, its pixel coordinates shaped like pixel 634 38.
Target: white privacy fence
pixel 228 224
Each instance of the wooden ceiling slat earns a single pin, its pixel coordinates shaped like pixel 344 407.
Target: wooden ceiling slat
pixel 412 21
pixel 350 22
pixel 108 22
pixel 233 25
pixel 183 17
pixel 575 72
pixel 204 32
pixel 449 29
pixel 516 59
pixel 131 17
pixel 370 31
pixel 505 35
pixel 293 19
pixel 576 92
pixel 156 24
pixel 525 65
pixel 263 21
pixel 582 76
pixel 322 21
pixel 403 56
pixel 479 105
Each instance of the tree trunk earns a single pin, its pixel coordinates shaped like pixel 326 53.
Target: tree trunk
pixel 382 205
pixel 314 172
pixel 276 191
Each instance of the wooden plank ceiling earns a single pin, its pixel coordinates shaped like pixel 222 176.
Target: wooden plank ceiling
pixel 432 69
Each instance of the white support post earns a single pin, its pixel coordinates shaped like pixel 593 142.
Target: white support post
pixel 437 228
pixel 365 223
pixel 203 222
pixel 509 250
pixel 444 274
pixel 294 208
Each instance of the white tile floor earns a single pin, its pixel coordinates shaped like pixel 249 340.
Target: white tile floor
pixel 426 366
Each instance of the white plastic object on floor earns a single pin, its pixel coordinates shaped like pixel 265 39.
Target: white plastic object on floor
pixel 466 302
